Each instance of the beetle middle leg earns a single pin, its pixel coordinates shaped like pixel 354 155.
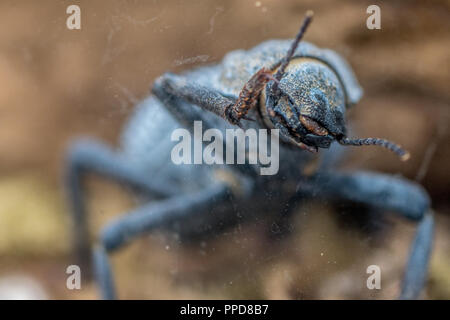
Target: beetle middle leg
pixel 86 156
pixel 386 193
pixel 206 98
pixel 147 218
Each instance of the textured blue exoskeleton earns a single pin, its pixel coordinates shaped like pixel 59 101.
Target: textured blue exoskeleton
pixel 304 93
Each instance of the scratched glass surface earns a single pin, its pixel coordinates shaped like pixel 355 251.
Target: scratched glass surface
pixel 60 81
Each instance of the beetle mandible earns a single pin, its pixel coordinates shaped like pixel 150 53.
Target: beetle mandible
pixel 292 86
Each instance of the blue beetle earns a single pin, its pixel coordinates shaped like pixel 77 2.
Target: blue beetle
pixel 293 86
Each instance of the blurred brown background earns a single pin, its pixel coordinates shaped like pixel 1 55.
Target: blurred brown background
pixel 57 84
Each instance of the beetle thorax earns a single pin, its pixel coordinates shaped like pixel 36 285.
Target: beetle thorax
pixel 310 89
pixel 310 83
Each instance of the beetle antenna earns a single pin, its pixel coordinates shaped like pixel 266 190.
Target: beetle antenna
pixel 287 58
pixel 395 148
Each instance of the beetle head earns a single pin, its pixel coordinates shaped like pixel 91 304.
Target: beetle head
pixel 308 105
pixel 306 101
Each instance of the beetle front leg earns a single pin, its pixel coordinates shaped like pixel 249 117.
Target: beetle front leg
pixel 206 98
pixel 385 192
pixel 212 100
pixel 249 96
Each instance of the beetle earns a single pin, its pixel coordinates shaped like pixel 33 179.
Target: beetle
pixel 287 85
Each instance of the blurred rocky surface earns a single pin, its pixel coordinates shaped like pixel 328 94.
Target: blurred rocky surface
pixel 21 287
pixel 31 219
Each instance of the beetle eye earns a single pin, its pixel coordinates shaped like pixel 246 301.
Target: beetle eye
pixel 313 126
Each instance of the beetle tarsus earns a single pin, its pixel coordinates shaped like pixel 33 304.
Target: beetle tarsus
pixel 249 96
